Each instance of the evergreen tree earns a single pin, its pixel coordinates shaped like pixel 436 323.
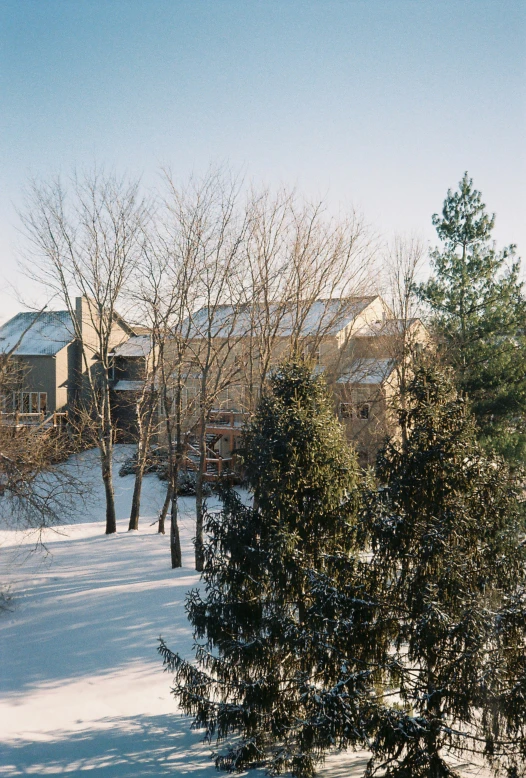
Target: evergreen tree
pixel 447 572
pixel 479 313
pixel 266 672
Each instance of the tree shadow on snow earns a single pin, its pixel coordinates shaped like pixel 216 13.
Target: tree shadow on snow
pixel 120 748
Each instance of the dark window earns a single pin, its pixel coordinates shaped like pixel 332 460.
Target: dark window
pixel 363 412
pixel 346 410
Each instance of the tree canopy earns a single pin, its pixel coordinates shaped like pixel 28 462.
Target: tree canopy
pixel 478 310
pixel 261 665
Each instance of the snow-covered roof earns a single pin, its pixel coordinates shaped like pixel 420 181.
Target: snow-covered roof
pixel 45 333
pixel 368 371
pixel 328 316
pixel 128 386
pixel 136 346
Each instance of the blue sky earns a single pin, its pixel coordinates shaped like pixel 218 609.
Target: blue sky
pixel 378 103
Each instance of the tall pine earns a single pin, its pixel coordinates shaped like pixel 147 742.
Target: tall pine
pixel 266 684
pixel 479 312
pixel 447 574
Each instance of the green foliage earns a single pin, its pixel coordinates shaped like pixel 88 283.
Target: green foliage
pixel 265 676
pixel 448 574
pixel 390 615
pixel 479 310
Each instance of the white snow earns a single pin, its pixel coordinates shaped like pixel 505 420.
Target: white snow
pixel 82 689
pixel 46 333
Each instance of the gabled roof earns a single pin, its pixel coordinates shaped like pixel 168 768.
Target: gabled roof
pixel 328 316
pixel 45 333
pixel 368 371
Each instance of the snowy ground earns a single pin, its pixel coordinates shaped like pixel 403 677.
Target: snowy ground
pixel 81 685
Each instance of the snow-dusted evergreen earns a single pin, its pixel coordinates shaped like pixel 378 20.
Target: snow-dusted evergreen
pixel 448 574
pixel 263 683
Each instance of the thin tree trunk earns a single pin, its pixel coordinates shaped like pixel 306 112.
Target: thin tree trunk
pixel 111 519
pixel 199 498
pixel 136 499
pixel 141 462
pixel 166 505
pixel 175 542
pixel 106 453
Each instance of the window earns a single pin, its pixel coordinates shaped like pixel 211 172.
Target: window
pixel 30 402
pixel 346 410
pixel 363 411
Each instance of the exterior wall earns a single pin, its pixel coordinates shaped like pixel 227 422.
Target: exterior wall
pixel 366 434
pixel 376 311
pixel 129 368
pixel 62 379
pixel 86 316
pixel 39 375
pixel 51 374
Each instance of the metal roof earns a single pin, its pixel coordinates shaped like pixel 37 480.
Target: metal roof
pixel 328 316
pixel 40 334
pixel 128 386
pixel 136 346
pixel 368 371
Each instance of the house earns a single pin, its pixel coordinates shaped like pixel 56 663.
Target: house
pixel 131 363
pixel 45 347
pixel 355 342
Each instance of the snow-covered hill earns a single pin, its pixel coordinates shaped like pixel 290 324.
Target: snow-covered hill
pixel 81 687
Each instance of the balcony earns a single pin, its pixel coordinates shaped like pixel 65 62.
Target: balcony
pixel 18 419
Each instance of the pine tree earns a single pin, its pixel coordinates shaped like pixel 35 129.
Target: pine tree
pixel 267 656
pixel 447 572
pixel 479 313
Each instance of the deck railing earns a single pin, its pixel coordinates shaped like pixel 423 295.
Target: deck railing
pixel 19 419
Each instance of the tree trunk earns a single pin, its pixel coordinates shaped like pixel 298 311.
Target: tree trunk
pixel 199 500
pixel 111 519
pixel 136 499
pixel 141 461
pixel 166 505
pixel 175 542
pixel 106 454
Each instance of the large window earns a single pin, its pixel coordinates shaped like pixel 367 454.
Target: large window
pixel 30 402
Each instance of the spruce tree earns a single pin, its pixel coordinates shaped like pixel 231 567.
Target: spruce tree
pixel 266 684
pixel 447 574
pixel 479 312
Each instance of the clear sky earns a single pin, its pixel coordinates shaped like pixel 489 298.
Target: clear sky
pixel 378 103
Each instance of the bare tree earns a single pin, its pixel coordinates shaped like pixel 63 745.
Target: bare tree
pixel 307 270
pixel 212 231
pixel 403 261
pixel 166 281
pixel 36 489
pixel 88 242
pixel 146 402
